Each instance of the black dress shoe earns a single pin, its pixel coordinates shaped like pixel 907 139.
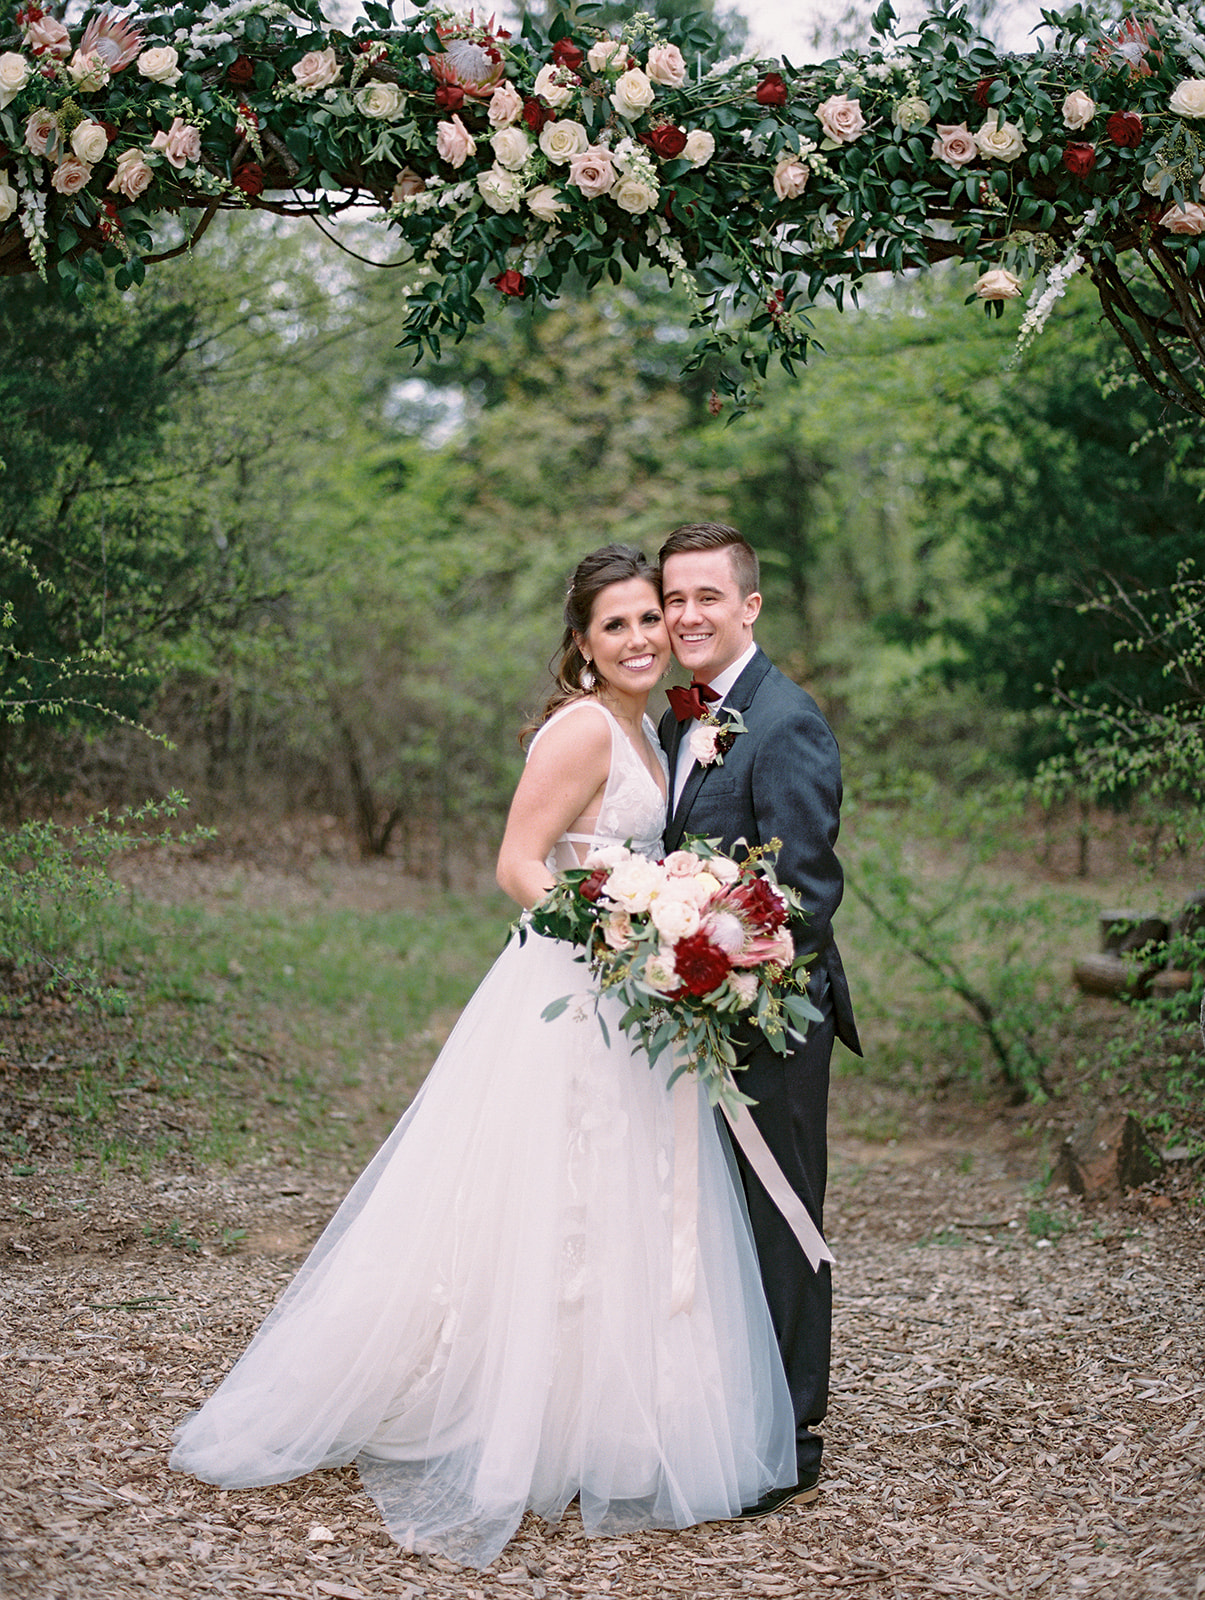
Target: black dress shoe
pixel 799 1494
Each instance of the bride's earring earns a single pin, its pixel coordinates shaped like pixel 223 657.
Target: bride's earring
pixel 586 678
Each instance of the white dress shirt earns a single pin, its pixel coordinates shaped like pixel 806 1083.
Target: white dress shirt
pixel 721 683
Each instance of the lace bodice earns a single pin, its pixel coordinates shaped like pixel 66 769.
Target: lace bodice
pixel 633 808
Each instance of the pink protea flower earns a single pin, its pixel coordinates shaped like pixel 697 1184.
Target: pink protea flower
pixel 113 39
pixel 474 65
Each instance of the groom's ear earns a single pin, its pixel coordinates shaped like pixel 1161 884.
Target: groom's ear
pixel 752 608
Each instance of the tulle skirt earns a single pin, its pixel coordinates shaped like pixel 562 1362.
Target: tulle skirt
pixel 487 1323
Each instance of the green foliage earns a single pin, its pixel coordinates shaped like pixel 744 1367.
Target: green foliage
pixel 54 880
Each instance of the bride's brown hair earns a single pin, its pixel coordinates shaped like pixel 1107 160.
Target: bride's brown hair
pixel 613 563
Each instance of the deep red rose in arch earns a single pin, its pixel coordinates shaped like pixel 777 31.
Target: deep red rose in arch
pixel 1125 129
pixel 980 92
pixel 510 282
pixel 250 178
pixel 771 91
pixel 449 97
pixel 240 70
pixel 701 965
pixel 535 115
pixel 1079 159
pixel 666 140
pixel 566 54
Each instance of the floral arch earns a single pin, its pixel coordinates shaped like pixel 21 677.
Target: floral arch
pixel 504 164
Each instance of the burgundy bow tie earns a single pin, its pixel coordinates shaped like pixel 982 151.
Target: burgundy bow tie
pixel 692 702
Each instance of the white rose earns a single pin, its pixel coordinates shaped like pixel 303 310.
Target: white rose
pixel 1078 109
pixel 506 103
pixel 160 65
pixel 617 930
pixel 511 146
pixel 911 113
pixel 14 74
pixel 724 868
pixel 665 65
pixel 545 202
pixel 1188 98
pixel 554 86
pixel 633 94
pixel 699 147
pixel 682 863
pixel 606 53
pixel 660 973
pixel 89 141
pixel 607 855
pixel 999 140
pixel 998 284
pixel 560 140
pixel 318 69
pixel 674 919
pixel 380 100
pixel 634 195
pixel 501 190
pixel 8 198
pixel 633 884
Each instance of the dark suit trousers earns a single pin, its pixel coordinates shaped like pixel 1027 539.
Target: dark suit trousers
pixel 791 1112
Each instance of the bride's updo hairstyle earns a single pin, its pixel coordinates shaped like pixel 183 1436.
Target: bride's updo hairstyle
pixel 613 563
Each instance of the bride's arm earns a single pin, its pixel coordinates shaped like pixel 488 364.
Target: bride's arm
pixel 565 771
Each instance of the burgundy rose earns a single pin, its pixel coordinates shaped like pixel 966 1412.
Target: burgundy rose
pixel 666 140
pixel 250 178
pixel 240 70
pixel 1125 129
pixel 980 92
pixel 566 54
pixel 1079 159
pixel 771 91
pixel 510 282
pixel 591 887
pixel 449 97
pixel 701 965
pixel 535 115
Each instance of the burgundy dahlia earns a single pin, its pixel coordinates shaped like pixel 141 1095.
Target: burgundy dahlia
pixel 701 965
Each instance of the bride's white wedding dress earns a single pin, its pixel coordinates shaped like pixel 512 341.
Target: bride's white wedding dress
pixel 486 1324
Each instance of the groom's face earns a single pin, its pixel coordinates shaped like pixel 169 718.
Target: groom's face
pixel 710 622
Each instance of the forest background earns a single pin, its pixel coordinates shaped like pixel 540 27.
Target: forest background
pixel 252 556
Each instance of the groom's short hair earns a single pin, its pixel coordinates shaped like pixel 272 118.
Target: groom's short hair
pixel 716 536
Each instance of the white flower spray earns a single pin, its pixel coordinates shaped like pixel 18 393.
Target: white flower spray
pixel 1043 301
pixel 32 214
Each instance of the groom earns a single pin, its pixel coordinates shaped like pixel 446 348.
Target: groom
pixel 780 778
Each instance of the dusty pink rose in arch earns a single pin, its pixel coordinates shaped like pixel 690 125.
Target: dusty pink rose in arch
pixel 665 65
pixel 41 132
pixel 318 69
pixel 453 142
pixel 955 144
pixel 998 283
pixel 71 175
pixel 506 105
pixel 592 172
pixel 409 183
pixel 790 178
pixel 46 36
pixel 841 118
pixel 1188 218
pixel 133 175
pixel 181 144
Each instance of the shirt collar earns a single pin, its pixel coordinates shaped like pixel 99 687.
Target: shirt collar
pixel 723 681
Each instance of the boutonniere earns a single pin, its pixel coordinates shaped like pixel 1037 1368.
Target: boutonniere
pixel 711 741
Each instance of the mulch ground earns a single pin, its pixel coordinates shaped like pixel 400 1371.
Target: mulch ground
pixel 1018 1407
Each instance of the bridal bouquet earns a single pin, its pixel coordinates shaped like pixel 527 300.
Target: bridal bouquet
pixel 697 947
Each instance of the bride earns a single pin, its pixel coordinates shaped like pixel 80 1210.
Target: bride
pixel 488 1324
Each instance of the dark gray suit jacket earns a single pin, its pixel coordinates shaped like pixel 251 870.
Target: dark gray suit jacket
pixel 781 779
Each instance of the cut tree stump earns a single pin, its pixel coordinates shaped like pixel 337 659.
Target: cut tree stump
pixel 1109 975
pixel 1107 1156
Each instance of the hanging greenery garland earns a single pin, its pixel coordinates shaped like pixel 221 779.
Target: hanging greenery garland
pixel 507 164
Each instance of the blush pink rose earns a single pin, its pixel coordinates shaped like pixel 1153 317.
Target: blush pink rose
pixel 955 143
pixel 318 69
pixel 592 172
pixel 666 65
pixel 506 106
pixel 841 118
pixel 1188 218
pixel 998 283
pixel 454 143
pixel 133 175
pixel 46 36
pixel 71 175
pixel 41 131
pixel 181 144
pixel 790 178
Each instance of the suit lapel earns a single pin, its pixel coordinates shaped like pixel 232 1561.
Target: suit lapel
pixel 739 698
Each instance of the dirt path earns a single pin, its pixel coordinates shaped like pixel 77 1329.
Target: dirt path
pixel 1019 1403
